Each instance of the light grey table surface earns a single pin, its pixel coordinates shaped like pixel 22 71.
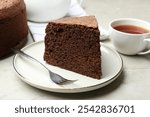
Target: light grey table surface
pixel 134 81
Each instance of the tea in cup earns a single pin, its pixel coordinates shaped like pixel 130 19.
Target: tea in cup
pixel 130 36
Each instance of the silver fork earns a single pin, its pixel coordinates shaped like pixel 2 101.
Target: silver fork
pixel 54 77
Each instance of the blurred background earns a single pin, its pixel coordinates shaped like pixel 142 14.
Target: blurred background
pixel 107 10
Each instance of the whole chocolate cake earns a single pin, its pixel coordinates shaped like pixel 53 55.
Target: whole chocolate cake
pixel 13 25
pixel 73 44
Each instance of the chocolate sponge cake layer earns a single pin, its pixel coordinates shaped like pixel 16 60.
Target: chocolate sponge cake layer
pixel 73 44
pixel 13 26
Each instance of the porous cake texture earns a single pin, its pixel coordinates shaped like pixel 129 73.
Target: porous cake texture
pixel 73 44
pixel 13 25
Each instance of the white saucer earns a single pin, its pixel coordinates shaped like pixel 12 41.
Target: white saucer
pixel 35 75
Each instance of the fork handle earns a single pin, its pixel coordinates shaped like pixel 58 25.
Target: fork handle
pixel 17 51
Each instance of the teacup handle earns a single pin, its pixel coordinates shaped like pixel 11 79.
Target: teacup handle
pixel 147 41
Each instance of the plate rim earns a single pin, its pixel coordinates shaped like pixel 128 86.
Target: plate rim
pixel 70 90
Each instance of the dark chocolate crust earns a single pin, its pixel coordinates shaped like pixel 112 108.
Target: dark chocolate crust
pixel 74 46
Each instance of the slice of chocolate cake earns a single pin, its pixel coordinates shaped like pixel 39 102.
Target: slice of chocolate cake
pixel 73 44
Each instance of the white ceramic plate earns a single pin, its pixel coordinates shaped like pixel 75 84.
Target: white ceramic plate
pixel 35 75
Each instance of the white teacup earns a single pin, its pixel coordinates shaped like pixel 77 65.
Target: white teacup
pixel 45 10
pixel 123 33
